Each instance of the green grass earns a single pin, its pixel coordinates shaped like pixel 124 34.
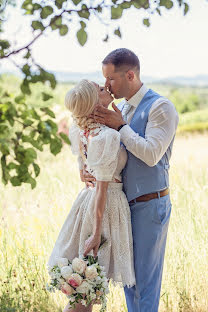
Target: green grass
pixel 31 220
pixel 196 121
pixel 199 116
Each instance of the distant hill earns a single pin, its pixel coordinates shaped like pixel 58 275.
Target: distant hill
pixel 195 81
pixel 200 80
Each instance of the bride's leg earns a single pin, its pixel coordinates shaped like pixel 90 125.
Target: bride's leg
pixel 79 308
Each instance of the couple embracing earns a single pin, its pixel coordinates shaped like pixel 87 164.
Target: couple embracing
pixel 124 159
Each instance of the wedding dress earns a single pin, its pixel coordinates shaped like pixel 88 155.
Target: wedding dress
pixel 105 159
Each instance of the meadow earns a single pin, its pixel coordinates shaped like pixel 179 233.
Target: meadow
pixel 30 222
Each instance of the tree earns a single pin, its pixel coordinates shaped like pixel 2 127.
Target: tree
pixel 23 129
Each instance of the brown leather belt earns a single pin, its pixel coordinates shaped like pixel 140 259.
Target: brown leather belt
pixel 147 197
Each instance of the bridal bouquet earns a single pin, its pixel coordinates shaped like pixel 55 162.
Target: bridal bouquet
pixel 82 280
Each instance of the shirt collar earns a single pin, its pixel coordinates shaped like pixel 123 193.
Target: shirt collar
pixel 137 97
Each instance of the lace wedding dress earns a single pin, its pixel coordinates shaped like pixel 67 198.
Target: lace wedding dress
pixel 105 159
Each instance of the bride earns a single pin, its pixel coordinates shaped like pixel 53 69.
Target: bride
pixel 103 210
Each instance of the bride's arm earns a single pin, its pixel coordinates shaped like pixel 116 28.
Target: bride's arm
pixel 93 242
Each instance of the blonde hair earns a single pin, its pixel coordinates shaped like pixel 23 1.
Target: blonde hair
pixel 81 101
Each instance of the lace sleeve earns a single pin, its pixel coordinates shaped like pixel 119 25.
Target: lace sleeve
pixel 102 155
pixel 74 137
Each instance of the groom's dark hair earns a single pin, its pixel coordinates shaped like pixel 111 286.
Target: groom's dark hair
pixel 123 58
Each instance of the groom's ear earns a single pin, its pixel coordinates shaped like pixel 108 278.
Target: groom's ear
pixel 130 75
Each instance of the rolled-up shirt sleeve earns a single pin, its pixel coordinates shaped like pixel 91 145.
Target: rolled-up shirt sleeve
pixel 160 130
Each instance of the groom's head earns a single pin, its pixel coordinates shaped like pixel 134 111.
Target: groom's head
pixel 121 69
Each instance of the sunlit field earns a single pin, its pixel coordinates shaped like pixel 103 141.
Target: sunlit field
pixel 31 220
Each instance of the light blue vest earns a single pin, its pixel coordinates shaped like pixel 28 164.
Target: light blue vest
pixel 138 177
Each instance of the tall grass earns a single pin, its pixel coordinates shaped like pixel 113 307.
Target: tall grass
pixel 31 220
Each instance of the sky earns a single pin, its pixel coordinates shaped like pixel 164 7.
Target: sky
pixel 174 45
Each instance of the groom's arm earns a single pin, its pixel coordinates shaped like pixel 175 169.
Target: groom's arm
pixel 160 130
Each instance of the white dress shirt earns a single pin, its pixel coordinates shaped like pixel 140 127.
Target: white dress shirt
pixel 160 130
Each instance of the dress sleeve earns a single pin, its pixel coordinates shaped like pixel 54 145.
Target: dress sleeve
pixel 102 155
pixel 74 137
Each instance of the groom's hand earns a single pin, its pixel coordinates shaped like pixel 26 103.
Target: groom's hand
pixel 112 119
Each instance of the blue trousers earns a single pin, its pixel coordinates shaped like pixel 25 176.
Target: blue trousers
pixel 149 228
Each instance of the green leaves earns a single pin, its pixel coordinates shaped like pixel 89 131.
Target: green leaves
pixel 117 32
pixel 56 22
pixel 65 138
pixel 23 132
pixel 46 11
pixel 37 25
pixel 55 146
pixel 168 4
pixel 20 99
pixel 4 46
pixel 48 112
pixel 36 169
pixel 25 87
pixel 59 3
pixel 46 96
pixel 116 12
pixel 126 5
pixel 63 30
pixel 138 4
pixel 84 13
pixel 76 1
pixel 81 34
pixel 186 8
pixel 146 22
pixel 26 69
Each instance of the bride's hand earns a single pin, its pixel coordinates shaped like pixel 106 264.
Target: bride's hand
pixel 92 243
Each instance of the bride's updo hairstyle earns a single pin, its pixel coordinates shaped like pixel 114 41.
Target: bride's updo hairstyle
pixel 81 101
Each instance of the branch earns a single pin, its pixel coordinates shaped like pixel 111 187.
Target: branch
pixel 25 126
pixel 40 34
pixel 23 48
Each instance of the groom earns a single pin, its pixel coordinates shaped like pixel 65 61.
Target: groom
pixel 147 124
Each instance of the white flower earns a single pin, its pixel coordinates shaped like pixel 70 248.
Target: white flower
pixel 61 281
pixel 91 272
pixel 50 288
pixel 93 296
pixel 62 262
pixel 98 279
pixel 66 272
pixel 72 299
pixel 67 289
pixel 105 284
pixel 55 273
pixel 78 265
pixel 84 302
pixel 75 280
pixel 84 288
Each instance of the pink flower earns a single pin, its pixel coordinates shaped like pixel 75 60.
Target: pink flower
pixel 73 283
pixel 75 280
pixel 67 289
